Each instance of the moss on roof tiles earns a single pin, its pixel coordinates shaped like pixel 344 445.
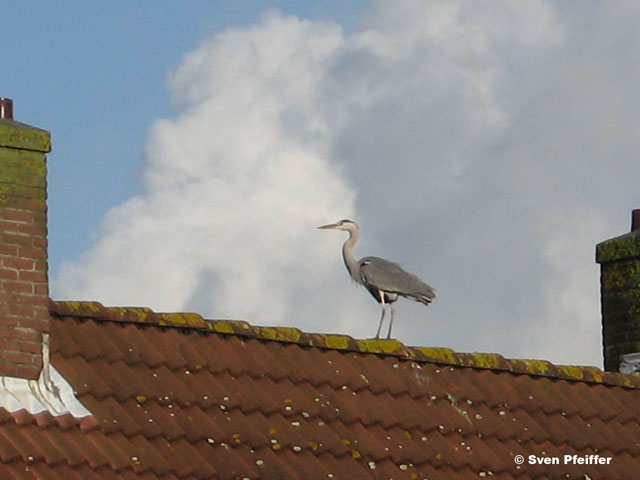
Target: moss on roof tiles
pixel 540 367
pixel 229 326
pixel 376 345
pixel 184 319
pixel 286 334
pixel 336 342
pixel 81 308
pixel 138 315
pixel 437 355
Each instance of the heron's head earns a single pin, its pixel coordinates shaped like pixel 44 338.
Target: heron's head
pixel 345 225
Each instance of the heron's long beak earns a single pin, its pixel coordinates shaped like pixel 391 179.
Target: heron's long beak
pixel 328 227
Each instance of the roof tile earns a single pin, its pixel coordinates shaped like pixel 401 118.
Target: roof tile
pixel 174 396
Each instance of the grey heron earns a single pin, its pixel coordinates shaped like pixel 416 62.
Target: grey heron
pixel 385 280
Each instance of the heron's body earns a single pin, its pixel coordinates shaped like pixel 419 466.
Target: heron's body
pixel 385 280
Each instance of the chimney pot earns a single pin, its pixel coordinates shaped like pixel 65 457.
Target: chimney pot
pixel 6 108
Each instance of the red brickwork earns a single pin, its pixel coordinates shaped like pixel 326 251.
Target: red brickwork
pixel 24 289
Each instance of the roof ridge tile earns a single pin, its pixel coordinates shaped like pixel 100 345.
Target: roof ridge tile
pixel 337 342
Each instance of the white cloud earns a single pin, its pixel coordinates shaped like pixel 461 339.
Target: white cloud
pixel 234 187
pixel 482 144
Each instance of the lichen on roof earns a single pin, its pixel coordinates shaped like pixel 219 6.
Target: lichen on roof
pixel 434 355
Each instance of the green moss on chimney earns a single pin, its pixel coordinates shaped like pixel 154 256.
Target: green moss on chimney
pixel 624 274
pixel 23 172
pixel 619 260
pixel 23 176
pixel 616 350
pixel 23 137
pixel 625 246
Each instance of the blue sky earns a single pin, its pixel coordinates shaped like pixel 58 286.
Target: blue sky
pixel 95 75
pixel 485 145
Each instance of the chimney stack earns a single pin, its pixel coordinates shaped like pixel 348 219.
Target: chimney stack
pixel 619 260
pixel 24 286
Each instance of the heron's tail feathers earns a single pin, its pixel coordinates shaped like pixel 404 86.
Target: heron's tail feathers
pixel 426 296
pixel 425 299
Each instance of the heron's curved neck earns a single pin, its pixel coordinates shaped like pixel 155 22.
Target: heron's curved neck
pixel 347 254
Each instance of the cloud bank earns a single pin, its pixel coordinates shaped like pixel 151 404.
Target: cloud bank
pixel 487 146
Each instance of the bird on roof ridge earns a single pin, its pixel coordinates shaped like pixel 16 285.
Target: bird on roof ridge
pixel 385 280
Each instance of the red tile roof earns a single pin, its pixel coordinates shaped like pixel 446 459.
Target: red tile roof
pixel 174 396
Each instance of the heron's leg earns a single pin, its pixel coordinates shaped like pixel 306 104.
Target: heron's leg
pixel 393 315
pixel 381 316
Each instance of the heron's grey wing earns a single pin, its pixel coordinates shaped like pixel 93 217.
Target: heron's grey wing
pixel 390 277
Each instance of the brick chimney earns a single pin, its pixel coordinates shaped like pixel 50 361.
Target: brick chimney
pixel 24 287
pixel 619 260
